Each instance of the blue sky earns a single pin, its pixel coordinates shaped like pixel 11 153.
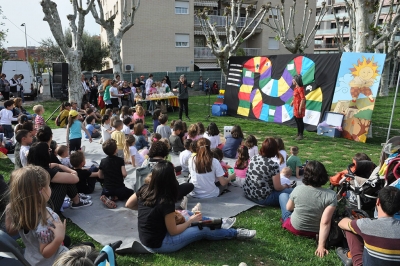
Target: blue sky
pixel 30 12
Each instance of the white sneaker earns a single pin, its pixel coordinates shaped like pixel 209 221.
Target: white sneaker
pixel 228 222
pixel 245 234
pixel 84 197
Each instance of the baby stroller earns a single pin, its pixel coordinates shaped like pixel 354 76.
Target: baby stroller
pixel 360 186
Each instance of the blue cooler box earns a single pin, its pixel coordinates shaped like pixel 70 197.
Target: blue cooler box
pixel 333 120
pixel 219 109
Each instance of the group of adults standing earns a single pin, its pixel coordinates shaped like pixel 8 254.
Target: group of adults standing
pixel 14 85
pixel 110 93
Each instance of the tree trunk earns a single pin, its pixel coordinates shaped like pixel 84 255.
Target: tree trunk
pixel 75 86
pixel 362 25
pixel 384 86
pixel 393 81
pixel 115 51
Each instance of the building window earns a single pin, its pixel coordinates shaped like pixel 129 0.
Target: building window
pixel 181 7
pixel 273 13
pixel 333 25
pixel 181 40
pixel 182 69
pixel 273 44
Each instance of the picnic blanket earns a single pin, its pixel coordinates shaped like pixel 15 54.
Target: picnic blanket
pixel 109 225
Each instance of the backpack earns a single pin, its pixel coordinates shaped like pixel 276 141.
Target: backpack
pixel 142 173
pixel 58 121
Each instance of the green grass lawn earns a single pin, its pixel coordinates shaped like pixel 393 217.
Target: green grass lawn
pixel 272 245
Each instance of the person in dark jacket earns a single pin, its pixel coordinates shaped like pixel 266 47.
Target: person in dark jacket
pixel 183 95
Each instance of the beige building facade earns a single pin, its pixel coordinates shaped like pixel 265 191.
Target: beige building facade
pixel 167 36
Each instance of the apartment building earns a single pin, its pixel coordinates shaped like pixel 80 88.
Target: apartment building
pixel 167 36
pixel 19 53
pixel 325 35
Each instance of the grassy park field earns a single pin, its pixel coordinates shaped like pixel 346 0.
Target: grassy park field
pixel 272 245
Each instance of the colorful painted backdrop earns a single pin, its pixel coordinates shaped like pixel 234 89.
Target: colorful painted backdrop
pixel 261 87
pixel 356 89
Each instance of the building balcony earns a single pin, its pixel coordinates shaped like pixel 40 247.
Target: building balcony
pixel 324 46
pixel 220 21
pixel 210 3
pixel 205 52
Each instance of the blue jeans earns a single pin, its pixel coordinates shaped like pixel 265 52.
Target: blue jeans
pixel 277 198
pixel 192 234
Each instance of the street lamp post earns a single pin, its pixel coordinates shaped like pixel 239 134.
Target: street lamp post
pixel 26 42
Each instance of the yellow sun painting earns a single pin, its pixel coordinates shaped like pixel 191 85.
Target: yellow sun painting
pixel 365 69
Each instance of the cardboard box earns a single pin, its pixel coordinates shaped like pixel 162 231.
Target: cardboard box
pixel 333 120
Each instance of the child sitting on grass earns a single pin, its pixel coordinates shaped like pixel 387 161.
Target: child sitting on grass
pixel 175 140
pixel 233 142
pixel 94 133
pixel 251 143
pixel 241 165
pixel 119 138
pixel 286 173
pixel 87 178
pixel 112 170
pixel 63 155
pixel 39 120
pixel 193 132
pixel 294 162
pixel 126 127
pixel 132 155
pixel 163 129
pixel 24 138
pixel 185 155
pixel 141 139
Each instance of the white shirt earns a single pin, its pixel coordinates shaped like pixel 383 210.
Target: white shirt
pixel 104 132
pixel 215 140
pixel 139 159
pixel 114 90
pixel 85 87
pixel 253 151
pixel 126 130
pixel 133 89
pixel 204 184
pixel 6 116
pixel 284 154
pixel 285 180
pixel 184 160
pixel 149 81
pixel 23 155
pixel 14 82
pixel 65 161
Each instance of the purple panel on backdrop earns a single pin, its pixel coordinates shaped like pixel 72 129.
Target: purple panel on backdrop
pixel 278 114
pixel 248 81
pixel 252 94
pixel 266 74
pixel 287 77
pixel 287 95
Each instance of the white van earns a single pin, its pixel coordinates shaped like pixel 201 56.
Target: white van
pixel 10 68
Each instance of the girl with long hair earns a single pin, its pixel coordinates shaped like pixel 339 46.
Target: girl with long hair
pixel 212 134
pixel 242 164
pixel 131 154
pixel 206 172
pixel 157 228
pixel 40 227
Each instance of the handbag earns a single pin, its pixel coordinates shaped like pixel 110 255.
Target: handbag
pixel 100 102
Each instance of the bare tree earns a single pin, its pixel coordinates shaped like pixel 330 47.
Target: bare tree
pixel 114 40
pixel 237 31
pixel 73 54
pixel 296 43
pixel 367 34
